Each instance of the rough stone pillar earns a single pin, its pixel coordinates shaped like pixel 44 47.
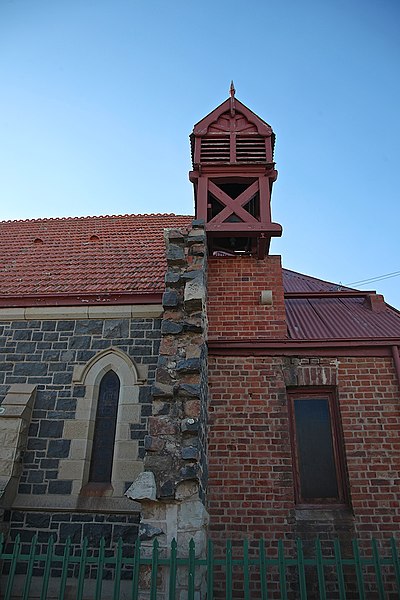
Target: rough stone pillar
pixel 15 416
pixel 172 488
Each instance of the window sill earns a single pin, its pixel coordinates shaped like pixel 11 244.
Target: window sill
pixel 98 490
pixel 322 512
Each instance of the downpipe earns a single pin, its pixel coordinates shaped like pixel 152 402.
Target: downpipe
pixel 396 360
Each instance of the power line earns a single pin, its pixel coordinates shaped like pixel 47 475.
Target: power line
pixel 378 278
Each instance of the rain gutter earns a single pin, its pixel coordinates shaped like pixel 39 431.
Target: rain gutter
pixel 316 347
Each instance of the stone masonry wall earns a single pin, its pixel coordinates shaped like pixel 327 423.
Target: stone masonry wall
pixel 176 445
pixel 172 488
pixel 45 353
pixel 75 525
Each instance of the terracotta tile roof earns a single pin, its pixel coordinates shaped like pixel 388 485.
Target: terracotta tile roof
pixel 125 254
pixel 120 254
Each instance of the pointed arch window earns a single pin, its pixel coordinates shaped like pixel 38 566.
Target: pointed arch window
pixel 101 461
pixel 103 456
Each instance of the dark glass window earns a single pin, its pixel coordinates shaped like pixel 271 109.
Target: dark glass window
pixel 104 429
pixel 318 464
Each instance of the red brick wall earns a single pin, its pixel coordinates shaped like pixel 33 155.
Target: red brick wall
pixel 250 489
pixel 234 287
pixel 250 464
pixel 370 413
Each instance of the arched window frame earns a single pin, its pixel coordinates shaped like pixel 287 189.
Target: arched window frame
pixel 126 464
pixel 103 440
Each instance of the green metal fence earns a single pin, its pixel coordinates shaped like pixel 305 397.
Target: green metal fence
pixel 257 571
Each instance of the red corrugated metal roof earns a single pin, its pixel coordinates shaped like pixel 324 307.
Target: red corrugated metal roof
pixel 85 255
pixel 333 318
pixel 297 282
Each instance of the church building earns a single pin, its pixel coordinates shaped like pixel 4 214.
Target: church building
pixel 164 376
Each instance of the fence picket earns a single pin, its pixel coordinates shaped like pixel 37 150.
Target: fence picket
pixel 396 562
pixel 118 565
pixel 191 570
pixel 210 570
pixel 246 574
pixel 320 570
pixel 13 566
pixel 359 571
pixel 300 566
pixel 154 569
pixel 64 572
pixel 378 572
pixel 100 567
pixel 339 569
pixel 228 570
pixel 136 568
pixel 29 570
pixel 263 570
pixel 172 569
pixel 282 570
pixel 47 566
pixel 82 569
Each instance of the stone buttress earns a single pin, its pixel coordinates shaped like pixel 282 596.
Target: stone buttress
pixel 171 489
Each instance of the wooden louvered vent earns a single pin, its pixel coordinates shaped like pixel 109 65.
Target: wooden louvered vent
pixel 250 149
pixel 215 149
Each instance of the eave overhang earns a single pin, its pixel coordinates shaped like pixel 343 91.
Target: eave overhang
pixel 89 299
pixel 316 347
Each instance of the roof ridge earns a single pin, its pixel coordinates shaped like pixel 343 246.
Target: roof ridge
pixel 308 277
pixel 41 219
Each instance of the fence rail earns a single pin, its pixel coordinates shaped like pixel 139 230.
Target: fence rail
pixel 262 572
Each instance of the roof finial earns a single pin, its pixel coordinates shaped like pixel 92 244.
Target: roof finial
pixel 232 98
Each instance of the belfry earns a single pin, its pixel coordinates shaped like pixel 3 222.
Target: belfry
pixel 233 174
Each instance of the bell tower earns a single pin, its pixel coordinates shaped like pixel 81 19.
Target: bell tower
pixel 233 173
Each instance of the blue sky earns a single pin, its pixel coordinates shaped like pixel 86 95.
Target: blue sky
pixel 98 98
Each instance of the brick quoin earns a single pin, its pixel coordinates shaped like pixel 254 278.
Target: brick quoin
pixel 234 288
pixel 251 491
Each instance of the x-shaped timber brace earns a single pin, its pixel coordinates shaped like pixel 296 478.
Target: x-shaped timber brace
pixel 260 229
